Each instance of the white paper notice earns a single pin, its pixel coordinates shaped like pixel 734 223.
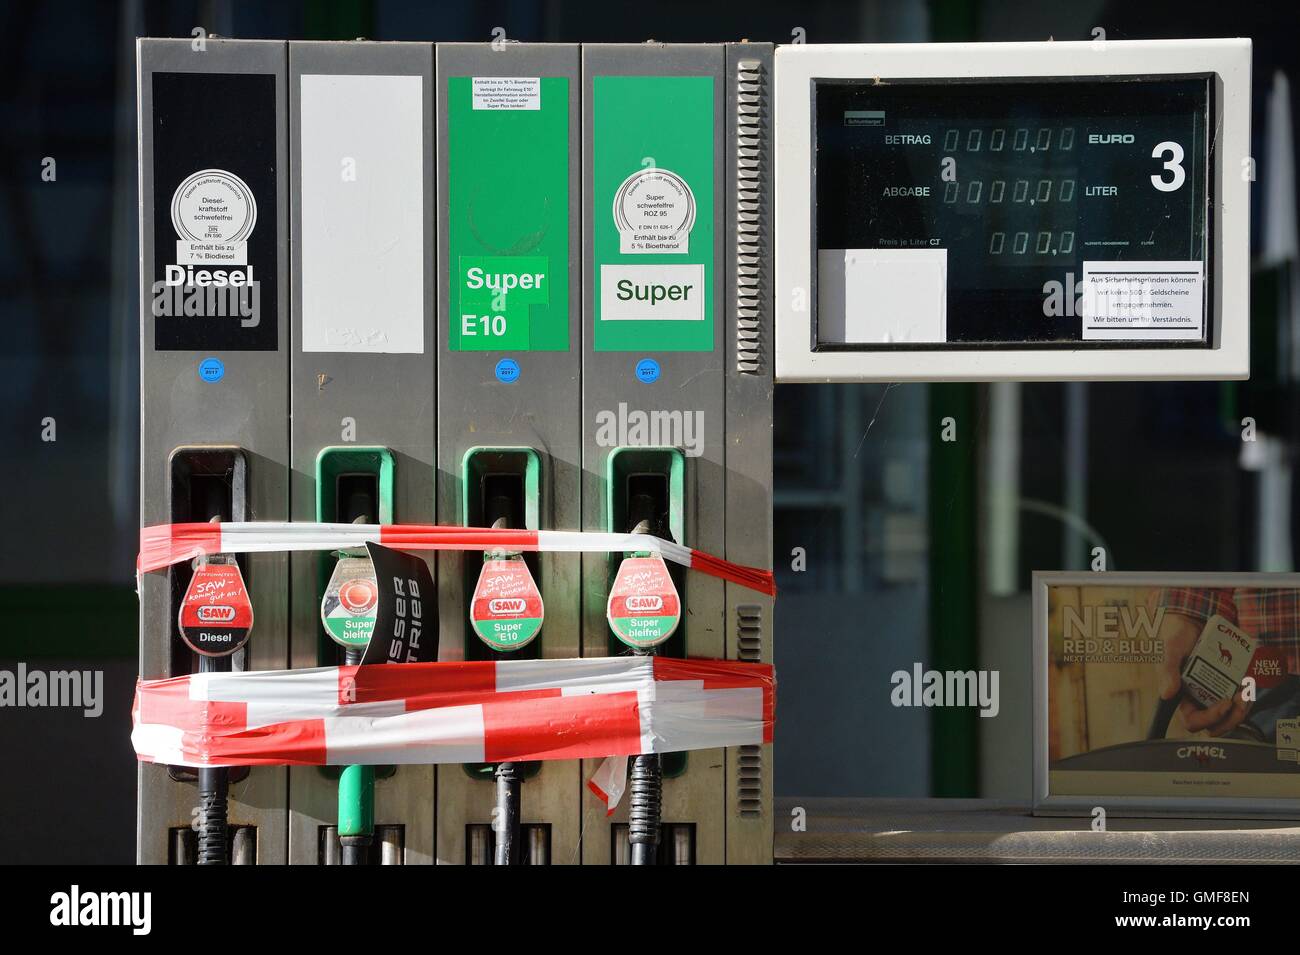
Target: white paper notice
pixel 1144 301
pixel 507 92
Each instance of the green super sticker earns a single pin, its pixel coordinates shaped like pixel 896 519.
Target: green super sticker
pixel 508 216
pixel 652 216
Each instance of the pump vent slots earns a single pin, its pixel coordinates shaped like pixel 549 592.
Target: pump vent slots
pixel 749 633
pixel 749 772
pixel 752 185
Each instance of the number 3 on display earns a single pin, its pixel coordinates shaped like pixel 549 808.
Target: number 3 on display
pixel 1174 164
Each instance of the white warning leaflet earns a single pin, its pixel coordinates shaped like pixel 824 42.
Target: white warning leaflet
pixel 507 92
pixel 1144 301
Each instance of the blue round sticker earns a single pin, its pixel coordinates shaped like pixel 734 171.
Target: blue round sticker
pixel 507 371
pixel 647 370
pixel 211 369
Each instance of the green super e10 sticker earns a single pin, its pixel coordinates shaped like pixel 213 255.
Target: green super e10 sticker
pixel 508 213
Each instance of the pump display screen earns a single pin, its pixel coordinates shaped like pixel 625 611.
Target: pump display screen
pixel 1039 212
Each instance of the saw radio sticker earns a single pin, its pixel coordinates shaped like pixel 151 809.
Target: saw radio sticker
pixel 643 608
pixel 506 610
pixel 216 613
pixel 351 602
pixel 215 235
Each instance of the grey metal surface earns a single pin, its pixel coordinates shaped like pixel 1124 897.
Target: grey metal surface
pixel 248 410
pixel 747 331
pixel 542 411
pixel 390 397
pixel 689 381
pixel 978 830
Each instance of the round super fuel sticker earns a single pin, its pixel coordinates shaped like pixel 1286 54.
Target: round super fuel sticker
pixel 506 610
pixel 643 609
pixel 351 602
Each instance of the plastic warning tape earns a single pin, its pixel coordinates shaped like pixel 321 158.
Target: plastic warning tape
pixel 165 544
pixel 454 712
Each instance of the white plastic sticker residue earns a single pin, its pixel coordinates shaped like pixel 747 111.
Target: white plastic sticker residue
pixel 362 203
pixel 878 296
pixel 1143 301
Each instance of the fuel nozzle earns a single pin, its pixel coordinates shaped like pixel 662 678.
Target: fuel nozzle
pixel 506 612
pixel 644 611
pixel 215 619
pixel 348 612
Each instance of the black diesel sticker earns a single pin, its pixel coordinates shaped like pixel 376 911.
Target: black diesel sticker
pixel 215 202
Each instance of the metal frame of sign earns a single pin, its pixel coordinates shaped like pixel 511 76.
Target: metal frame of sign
pixel 1046 803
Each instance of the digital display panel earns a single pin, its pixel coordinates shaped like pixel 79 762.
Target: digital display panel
pixel 1048 212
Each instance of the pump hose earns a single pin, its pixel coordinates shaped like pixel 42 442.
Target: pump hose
pixel 509 779
pixel 213 847
pixel 645 792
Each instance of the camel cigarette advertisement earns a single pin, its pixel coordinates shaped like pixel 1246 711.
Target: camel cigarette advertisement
pixel 1173 693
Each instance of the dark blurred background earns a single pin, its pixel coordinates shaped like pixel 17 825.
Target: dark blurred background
pixel 926 546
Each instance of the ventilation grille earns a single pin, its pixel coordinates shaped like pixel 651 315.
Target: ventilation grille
pixel 749 647
pixel 749 633
pixel 750 784
pixel 751 193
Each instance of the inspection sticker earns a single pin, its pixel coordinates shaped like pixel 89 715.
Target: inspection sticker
pixel 216 613
pixel 1143 301
pixel 507 607
pixel 507 92
pixel 351 602
pixel 643 608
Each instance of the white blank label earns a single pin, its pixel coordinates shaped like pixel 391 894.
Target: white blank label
pixel 877 296
pixel 362 234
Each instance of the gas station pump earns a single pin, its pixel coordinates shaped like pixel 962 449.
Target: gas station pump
pixel 215 619
pixel 643 612
pixel 506 611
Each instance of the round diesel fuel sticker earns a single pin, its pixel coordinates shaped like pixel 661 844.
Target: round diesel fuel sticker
pixel 216 613
pixel 214 205
pixel 351 602
pixel 654 211
pixel 643 609
pixel 506 610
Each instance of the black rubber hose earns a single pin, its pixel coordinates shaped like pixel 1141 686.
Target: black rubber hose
pixel 645 795
pixel 214 784
pixel 509 780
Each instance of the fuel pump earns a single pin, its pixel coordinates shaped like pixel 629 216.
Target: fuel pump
pixel 215 619
pixel 643 611
pixel 348 612
pixel 506 612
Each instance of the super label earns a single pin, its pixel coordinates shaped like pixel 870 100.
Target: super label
pixel 351 602
pixel 506 610
pixel 643 609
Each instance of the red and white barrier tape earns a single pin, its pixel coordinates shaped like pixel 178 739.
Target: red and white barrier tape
pixel 165 544
pixel 496 711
